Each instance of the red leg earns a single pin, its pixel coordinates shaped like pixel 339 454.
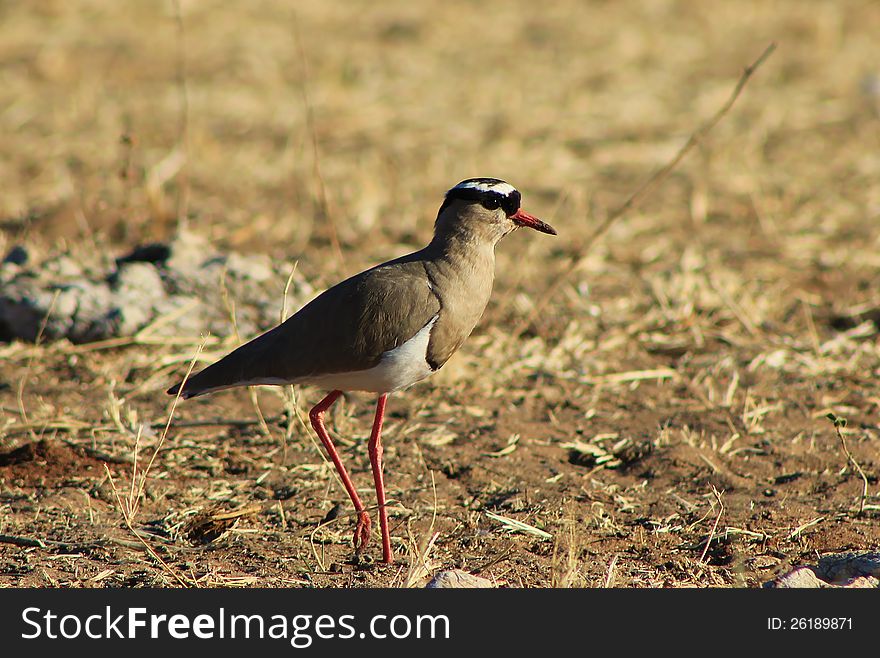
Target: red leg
pixel 316 415
pixel 375 449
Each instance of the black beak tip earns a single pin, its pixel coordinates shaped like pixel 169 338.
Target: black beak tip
pixel 543 227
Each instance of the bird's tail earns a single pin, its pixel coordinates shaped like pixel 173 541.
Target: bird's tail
pixel 215 377
pixel 233 370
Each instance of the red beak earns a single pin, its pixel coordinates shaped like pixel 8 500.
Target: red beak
pixel 522 218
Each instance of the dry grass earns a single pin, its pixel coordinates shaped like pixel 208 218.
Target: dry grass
pixel 695 348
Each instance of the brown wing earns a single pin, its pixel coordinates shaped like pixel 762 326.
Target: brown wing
pixel 346 328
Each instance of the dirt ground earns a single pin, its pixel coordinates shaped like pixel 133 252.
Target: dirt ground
pixel 660 423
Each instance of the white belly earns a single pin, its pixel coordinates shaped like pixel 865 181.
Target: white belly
pixel 403 366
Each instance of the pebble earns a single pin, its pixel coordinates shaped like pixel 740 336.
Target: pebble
pixel 456 578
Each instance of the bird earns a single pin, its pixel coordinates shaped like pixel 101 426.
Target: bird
pixel 384 329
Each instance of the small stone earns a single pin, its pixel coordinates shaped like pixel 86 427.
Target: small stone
pixel 840 570
pixel 138 289
pixel 843 567
pixel 18 255
pixel 456 578
pixel 155 252
pixel 802 577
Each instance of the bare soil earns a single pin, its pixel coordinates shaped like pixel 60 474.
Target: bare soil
pixel 662 423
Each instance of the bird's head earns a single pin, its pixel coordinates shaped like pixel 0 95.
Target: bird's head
pixel 487 207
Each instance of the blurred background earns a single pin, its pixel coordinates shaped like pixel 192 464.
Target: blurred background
pixel 258 119
pixel 705 336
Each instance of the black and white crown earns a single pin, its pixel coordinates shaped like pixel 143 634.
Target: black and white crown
pixel 491 193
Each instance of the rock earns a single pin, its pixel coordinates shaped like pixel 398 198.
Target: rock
pixel 20 313
pixel 155 252
pixel 18 255
pixel 801 577
pixel 92 296
pixel 137 297
pixel 843 570
pixel 457 578
pixel 92 318
pixel 846 567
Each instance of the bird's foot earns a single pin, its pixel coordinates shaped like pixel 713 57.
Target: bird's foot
pixel 362 532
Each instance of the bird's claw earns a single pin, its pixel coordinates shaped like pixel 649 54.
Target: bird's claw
pixel 362 532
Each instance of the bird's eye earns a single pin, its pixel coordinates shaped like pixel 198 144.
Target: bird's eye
pixel 491 203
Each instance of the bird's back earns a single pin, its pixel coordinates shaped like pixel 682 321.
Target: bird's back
pixel 346 328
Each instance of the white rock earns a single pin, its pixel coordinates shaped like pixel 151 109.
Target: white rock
pixel 457 578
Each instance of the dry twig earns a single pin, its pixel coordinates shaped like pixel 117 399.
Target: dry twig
pixel 129 507
pixel 717 495
pixel 326 211
pixel 839 424
pixel 580 253
pixel 229 303
pixel 183 128
pixel 126 516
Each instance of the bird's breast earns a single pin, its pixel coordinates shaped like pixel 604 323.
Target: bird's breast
pixel 463 290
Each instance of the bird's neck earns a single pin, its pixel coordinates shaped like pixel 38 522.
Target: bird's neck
pixel 460 273
pixel 464 248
